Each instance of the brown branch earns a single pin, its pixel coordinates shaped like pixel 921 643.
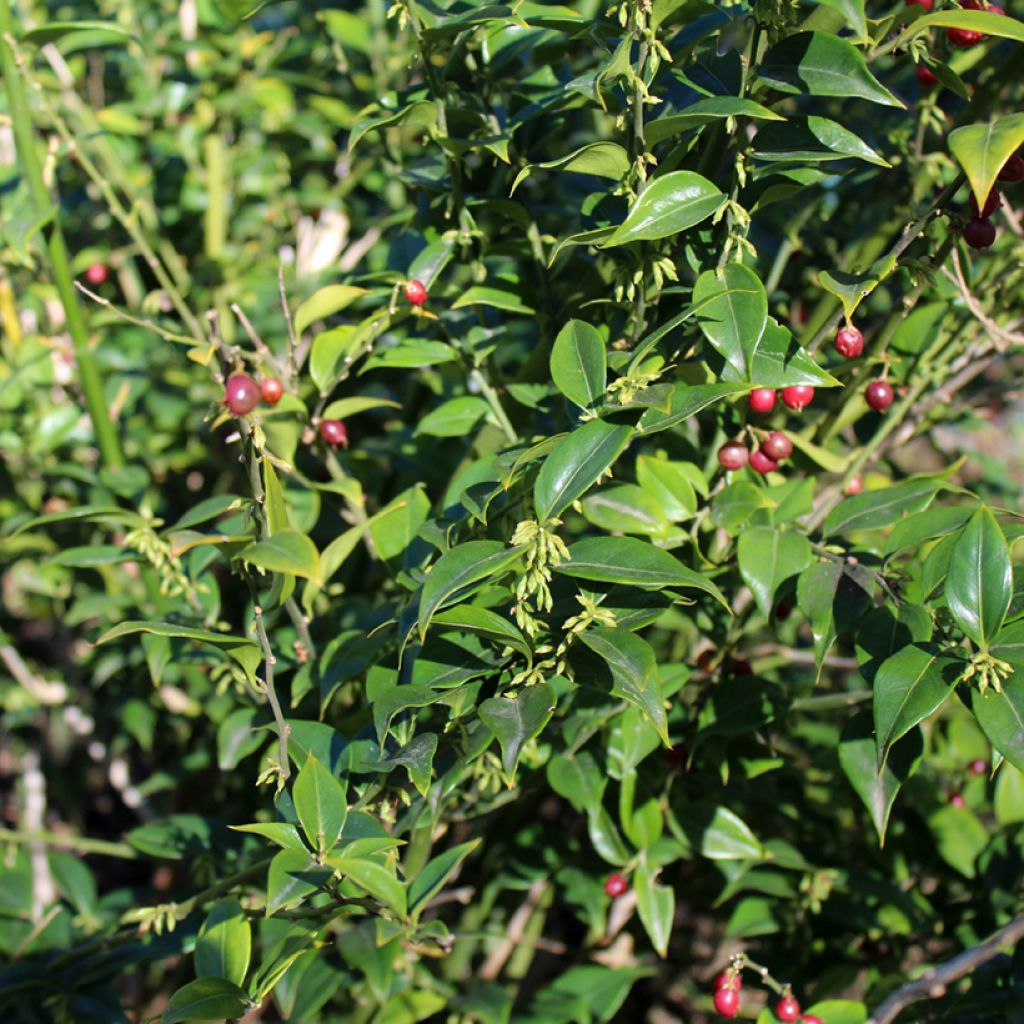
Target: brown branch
pixel 934 983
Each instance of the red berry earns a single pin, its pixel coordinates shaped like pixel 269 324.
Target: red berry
pixel 787 1009
pixel 777 446
pixel 242 394
pixel 615 886
pixel 979 234
pixel 760 463
pixel 810 1018
pixel 956 800
pixel 878 394
pixel 733 455
pixel 334 433
pixel 727 1002
pixel 782 611
pixel 849 342
pixel 979 766
pixel 96 274
pixel 925 76
pixel 416 292
pixel 926 4
pixel 992 203
pixel 1013 170
pixel 762 399
pixel 271 389
pixel 798 397
pixel 967 37
pixel 855 486
pixel 728 979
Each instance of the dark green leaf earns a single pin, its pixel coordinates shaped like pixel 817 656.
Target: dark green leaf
pixel 980 581
pixel 206 999
pixel 668 206
pixel 812 140
pixel 517 720
pixel 733 314
pixel 656 906
pixel 430 879
pixel 767 557
pixel 578 363
pixel 321 805
pixel 224 943
pixel 873 510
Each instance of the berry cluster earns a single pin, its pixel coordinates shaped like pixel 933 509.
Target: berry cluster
pixel 729 985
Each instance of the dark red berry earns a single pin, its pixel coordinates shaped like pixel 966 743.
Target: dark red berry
pixel 992 203
pixel 979 234
pixel 1013 170
pixel 762 399
pixel 760 463
pixel 878 394
pixel 849 341
pixel 727 1002
pixel 926 4
pixel 956 800
pixel 728 979
pixel 96 274
pixel 740 667
pixel 782 611
pixel 416 292
pixel 334 433
pixel 810 1018
pixel 271 389
pixel 979 766
pixel 787 1009
pixel 242 394
pixel 798 397
pixel 777 446
pixel 855 486
pixel 925 76
pixel 615 886
pixel 967 37
pixel 733 455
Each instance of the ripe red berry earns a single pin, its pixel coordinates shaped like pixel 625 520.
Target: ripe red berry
pixel 787 1009
pixel 925 76
pixel 762 399
pixel 992 203
pixel 728 979
pixel 855 486
pixel 926 4
pixel 727 1002
pixel 849 341
pixel 956 800
pixel 241 395
pixel 733 455
pixel 1013 170
pixel 810 1018
pixel 878 394
pixel 760 463
pixel 777 446
pixel 416 292
pixel 979 234
pixel 96 274
pixel 271 389
pixel 798 397
pixel 979 766
pixel 615 885
pixel 334 433
pixel 968 37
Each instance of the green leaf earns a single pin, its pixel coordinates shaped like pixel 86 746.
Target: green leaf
pixel 400 698
pixel 723 835
pixel 293 875
pixel 455 418
pixel 767 557
pixel 576 464
pixel 416 757
pixel 328 354
pixel 822 64
pixel 602 159
pixel 853 12
pixel 324 303
pixel 687 400
pixel 485 623
pixel 107 514
pixel 321 804
pixel 433 875
pixel 224 943
pixel 100 32
pixel 873 510
pixel 959 837
pixel 839 1011
pixel 634 563
pixel 979 585
pixel 379 881
pixel 459 570
pixel 625 508
pixel 288 551
pixel 280 832
pixel 1001 716
pixel 498 295
pixel 206 999
pixel 578 779
pixel 579 363
pixel 669 205
pixel 982 149
pixel 999 25
pixel 779 362
pixel 850 289
pixel 419 115
pixel 733 314
pixel 908 687
pixel 656 905
pixel 704 112
pixel 394 528
pixel 634 670
pixel 812 140
pixel 517 720
pixel 671 484
pixel 343 408
pixel 877 788
pixel 276 510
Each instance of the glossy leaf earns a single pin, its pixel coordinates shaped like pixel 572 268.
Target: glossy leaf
pixel 207 998
pixel 321 805
pixel 686 401
pixel 455 418
pixel 577 778
pixel 875 509
pixel 812 140
pixel 625 508
pixel 326 302
pixel 779 362
pixel 224 943
pixel 602 159
pixel 1001 716
pixel 980 581
pixel 432 878
pixel 656 906
pixel 733 314
pixel 767 557
pixel 287 552
pixel 293 876
pixel 578 363
pixel 517 720
pixel 379 881
pixel 576 464
pixel 982 149
pixel 704 112
pixel 668 206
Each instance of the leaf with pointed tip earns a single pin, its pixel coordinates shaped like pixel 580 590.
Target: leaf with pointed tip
pixel 293 876
pixel 656 905
pixel 768 557
pixel 321 804
pixel 224 942
pixel 287 551
pixel 883 507
pixel 979 585
pixel 433 875
pixel 378 880
pixel 517 720
pixel 668 206
pixel 579 364
pixel 207 998
pixel 734 313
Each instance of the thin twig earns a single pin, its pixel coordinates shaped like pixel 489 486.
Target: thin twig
pixel 149 325
pixel 935 982
pixel 294 361
pixel 80 844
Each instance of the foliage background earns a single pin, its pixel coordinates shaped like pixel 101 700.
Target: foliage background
pixel 350 144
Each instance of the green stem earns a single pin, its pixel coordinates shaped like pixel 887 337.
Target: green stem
pixel 80 844
pixel 25 141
